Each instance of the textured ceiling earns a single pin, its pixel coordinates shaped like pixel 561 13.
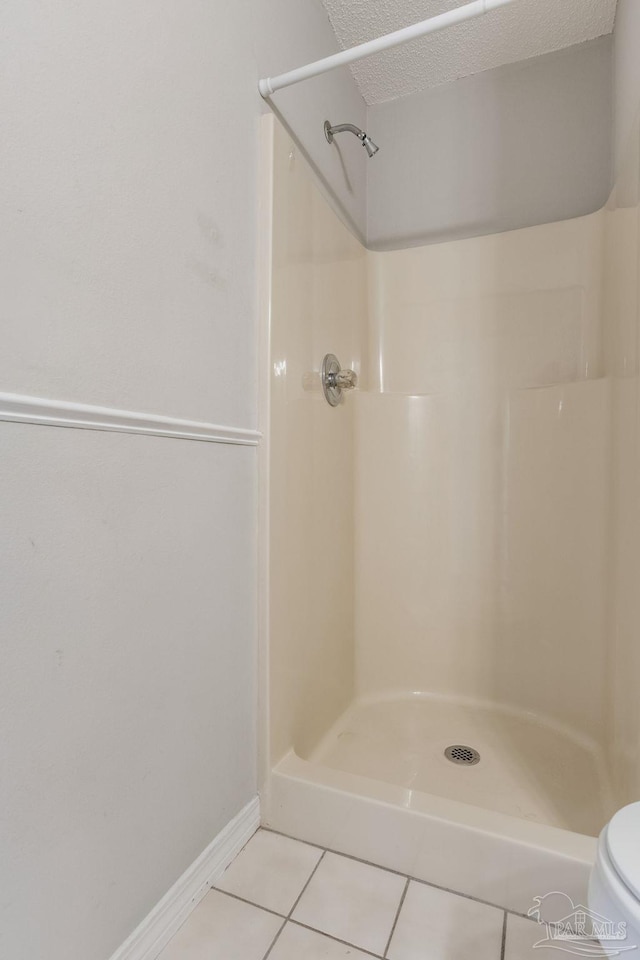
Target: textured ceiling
pixel 507 35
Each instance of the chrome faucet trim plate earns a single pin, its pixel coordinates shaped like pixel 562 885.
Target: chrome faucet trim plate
pixel 335 379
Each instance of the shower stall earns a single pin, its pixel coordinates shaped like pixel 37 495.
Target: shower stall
pixel 448 681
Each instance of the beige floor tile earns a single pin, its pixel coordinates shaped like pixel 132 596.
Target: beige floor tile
pixel 521 936
pixel 352 901
pixel 438 925
pixel 271 871
pixel 221 928
pixel 298 943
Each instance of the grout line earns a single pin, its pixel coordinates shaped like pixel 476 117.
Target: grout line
pixel 345 943
pixel 251 903
pixel 275 940
pixel 307 843
pixel 309 879
pixel 289 918
pixel 397 917
pixel 467 896
pixel 427 883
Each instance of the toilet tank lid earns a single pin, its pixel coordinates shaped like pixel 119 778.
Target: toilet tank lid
pixel 623 844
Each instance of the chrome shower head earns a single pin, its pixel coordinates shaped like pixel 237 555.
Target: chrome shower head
pixel 369 145
pixel 366 141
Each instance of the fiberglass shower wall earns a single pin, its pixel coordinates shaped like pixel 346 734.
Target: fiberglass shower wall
pixel 481 474
pixel 446 529
pixel 318 306
pixel 621 311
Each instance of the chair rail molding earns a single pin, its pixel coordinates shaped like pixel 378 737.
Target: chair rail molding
pixel 16 408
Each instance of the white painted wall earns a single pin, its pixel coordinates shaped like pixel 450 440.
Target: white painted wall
pixel 127 597
pixel 290 34
pixel 626 77
pixel 127 682
pixel 513 147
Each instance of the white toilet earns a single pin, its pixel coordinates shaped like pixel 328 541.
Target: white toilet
pixel 614 885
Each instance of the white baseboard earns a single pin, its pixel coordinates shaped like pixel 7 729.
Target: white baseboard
pixel 157 928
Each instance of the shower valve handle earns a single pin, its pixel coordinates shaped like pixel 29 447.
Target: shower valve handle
pixel 346 379
pixel 335 379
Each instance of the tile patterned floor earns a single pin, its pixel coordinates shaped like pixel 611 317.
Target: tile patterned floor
pixel 285 900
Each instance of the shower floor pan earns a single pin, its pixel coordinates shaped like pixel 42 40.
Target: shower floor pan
pixel 519 823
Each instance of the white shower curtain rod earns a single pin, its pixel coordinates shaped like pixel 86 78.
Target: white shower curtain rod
pixel 476 9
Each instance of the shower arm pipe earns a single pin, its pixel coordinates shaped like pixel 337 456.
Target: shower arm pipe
pixel 469 11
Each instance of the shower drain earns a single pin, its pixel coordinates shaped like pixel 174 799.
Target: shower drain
pixel 459 753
